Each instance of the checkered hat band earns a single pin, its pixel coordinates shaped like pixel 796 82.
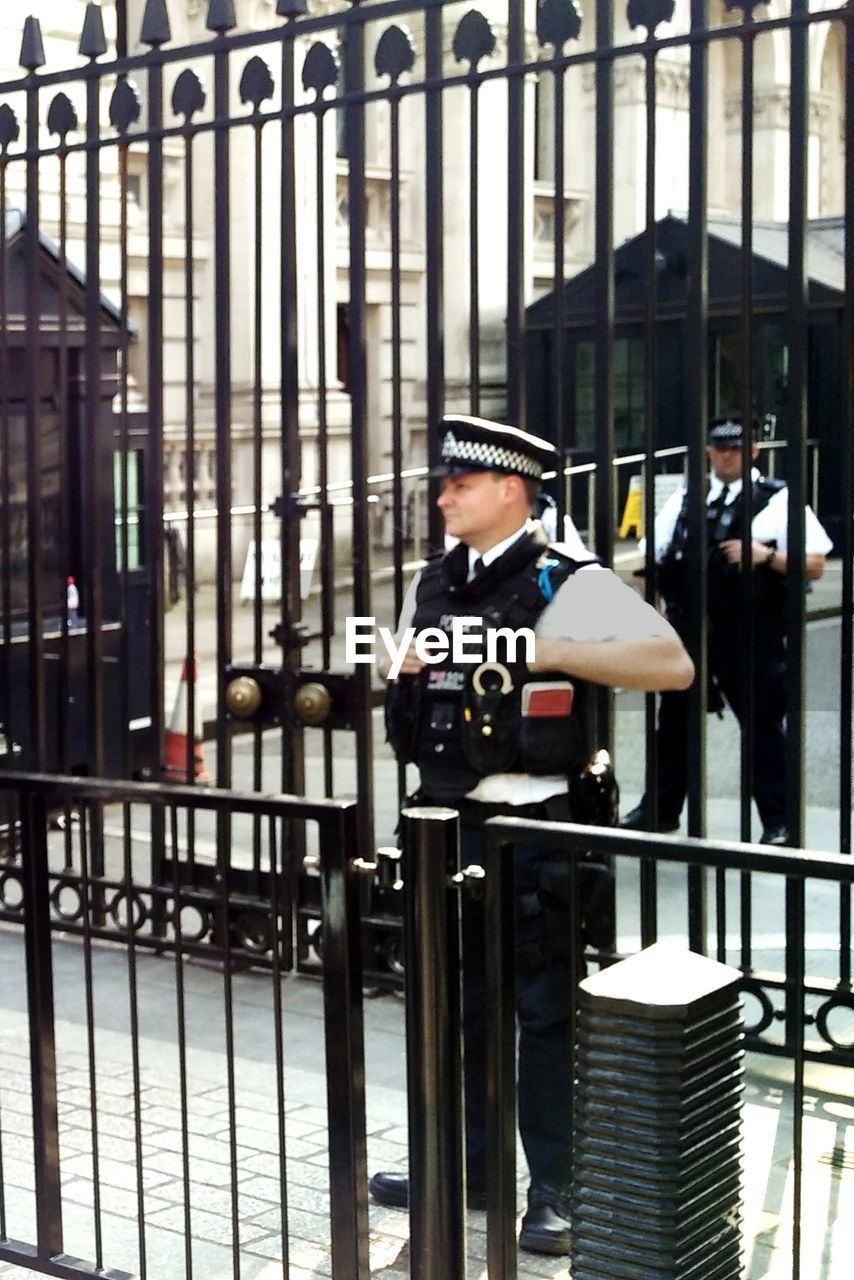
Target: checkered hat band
pixel 492 457
pixel 726 431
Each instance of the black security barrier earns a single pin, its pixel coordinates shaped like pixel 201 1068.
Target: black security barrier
pixel 431 881
pixel 112 899
pixel 805 1011
pixel 658 1130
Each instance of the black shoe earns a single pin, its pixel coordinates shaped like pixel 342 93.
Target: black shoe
pixel 392 1189
pixel 775 834
pixel 638 819
pixel 546 1225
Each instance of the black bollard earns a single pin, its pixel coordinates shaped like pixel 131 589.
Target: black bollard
pixel 657 1177
pixel 431 945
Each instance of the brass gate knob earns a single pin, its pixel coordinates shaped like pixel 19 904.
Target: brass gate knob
pixel 243 697
pixel 313 702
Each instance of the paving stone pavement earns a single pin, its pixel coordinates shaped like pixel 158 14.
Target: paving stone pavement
pixel 201 1183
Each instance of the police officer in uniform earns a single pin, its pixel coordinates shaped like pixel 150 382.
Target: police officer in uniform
pixel 769 526
pixel 506 737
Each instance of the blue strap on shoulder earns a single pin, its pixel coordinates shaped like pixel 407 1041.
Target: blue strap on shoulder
pixel 544 581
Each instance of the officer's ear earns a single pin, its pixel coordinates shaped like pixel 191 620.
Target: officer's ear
pixel 515 489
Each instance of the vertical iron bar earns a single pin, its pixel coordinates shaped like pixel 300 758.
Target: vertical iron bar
pixel 154 319
pixel 257 411
pixel 91 910
pixel 32 346
pixel 435 222
pixel 292 744
pixel 604 322
pixel 558 370
pixel 327 531
pixel 474 245
pixel 798 319
pixel 224 869
pixel 431 937
pixel 354 125
pixel 5 467
pixel 516 197
pixel 63 728
pixel 40 1007
pixel 133 1009
pixel 697 415
pixel 96 449
pixel 396 378
pixel 190 464
pixel 127 675
pixel 647 869
pixel 748 581
pixel 222 419
pixel 796 415
pixel 222 400
pixel 181 1022
pixel 345 1052
pixel 846 548
pixel 499 925
pixel 795 1025
pixel 396 343
pixel 281 933
pixel 121 28
pixel 258 301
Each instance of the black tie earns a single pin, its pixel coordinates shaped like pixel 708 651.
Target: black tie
pixel 479 566
pixel 714 511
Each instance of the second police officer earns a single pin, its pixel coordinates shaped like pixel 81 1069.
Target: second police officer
pixel 769 501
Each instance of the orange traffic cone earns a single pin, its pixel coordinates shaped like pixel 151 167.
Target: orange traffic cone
pixel 175 751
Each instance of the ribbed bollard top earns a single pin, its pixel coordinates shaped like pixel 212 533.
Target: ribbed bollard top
pixel 663 981
pixel 657 1145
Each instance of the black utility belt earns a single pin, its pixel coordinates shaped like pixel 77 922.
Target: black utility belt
pixel 474 813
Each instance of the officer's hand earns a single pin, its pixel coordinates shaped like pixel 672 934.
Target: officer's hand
pixel 732 550
pixel 410 666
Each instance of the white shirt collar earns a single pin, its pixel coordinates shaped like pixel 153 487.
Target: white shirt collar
pixel 494 552
pixel 715 486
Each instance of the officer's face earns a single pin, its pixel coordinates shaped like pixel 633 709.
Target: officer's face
pixel 726 461
pixel 479 507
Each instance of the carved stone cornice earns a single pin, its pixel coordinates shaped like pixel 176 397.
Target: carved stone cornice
pixel 771 110
pixel 672 80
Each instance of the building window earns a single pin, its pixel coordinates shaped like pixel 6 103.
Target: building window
pixel 131 466
pixel 16 555
pixel 544 129
pixel 629 416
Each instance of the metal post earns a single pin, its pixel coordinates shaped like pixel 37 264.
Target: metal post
pixel 431 938
pixel 345 1046
pixel 500 1063
pixel 37 943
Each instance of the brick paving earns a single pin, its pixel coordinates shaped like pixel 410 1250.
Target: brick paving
pixel 828 1135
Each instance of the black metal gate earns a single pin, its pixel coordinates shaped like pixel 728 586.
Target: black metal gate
pixel 247 262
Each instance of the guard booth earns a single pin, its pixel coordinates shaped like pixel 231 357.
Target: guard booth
pixel 570 357
pixel 73 480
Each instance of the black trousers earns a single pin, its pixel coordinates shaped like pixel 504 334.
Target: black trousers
pixel 769 710
pixel 543 1010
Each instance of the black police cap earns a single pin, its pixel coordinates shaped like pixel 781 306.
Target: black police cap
pixel 727 432
pixel 477 444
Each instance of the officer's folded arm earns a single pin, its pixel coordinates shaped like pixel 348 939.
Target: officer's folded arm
pixel 648 663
